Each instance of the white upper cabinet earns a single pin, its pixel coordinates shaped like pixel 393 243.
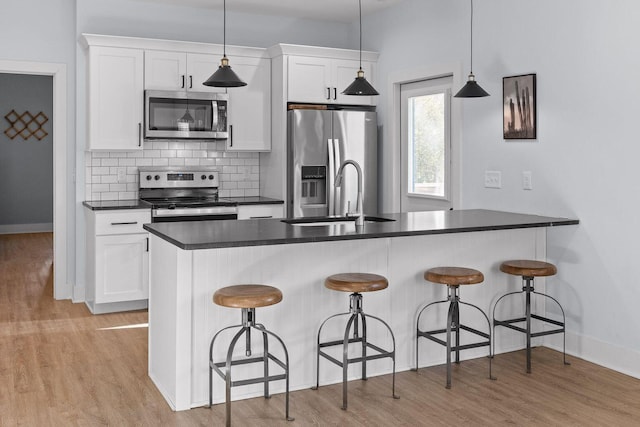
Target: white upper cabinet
pixel 250 106
pixel 168 70
pixel 321 80
pixel 115 95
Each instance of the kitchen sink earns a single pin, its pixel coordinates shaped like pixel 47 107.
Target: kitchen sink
pixel 332 220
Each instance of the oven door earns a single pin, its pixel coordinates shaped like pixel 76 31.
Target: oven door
pixel 215 213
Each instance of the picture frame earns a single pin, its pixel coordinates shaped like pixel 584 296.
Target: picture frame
pixel 519 102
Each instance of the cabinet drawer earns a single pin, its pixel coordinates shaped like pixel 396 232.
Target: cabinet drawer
pixel 122 222
pixel 260 211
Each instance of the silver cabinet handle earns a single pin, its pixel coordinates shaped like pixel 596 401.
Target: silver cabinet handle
pixel 125 223
pixel 230 135
pixel 147 244
pixel 328 93
pixel 182 82
pixel 190 82
pixel 139 134
pixel 261 217
pixel 335 93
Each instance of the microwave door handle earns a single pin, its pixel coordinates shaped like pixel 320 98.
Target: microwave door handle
pixel 214 116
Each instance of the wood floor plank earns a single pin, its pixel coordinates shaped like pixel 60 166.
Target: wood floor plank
pixel 61 366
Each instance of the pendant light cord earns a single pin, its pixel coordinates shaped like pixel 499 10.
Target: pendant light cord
pixel 471 36
pixel 360 9
pixel 224 27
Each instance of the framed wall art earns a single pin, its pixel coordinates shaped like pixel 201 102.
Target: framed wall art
pixel 519 107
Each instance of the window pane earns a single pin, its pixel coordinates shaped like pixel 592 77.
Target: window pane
pixel 427 145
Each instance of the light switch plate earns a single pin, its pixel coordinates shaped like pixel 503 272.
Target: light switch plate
pixel 527 184
pixel 493 179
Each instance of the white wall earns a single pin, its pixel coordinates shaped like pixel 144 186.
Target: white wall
pixel 44 31
pixel 584 160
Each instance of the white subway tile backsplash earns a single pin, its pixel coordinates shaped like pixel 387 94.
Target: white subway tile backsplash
pixel 160 162
pixel 239 171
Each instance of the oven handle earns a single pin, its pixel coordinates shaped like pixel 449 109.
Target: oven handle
pixel 218 210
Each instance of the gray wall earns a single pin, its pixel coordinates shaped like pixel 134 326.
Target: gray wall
pixel 26 166
pixel 585 159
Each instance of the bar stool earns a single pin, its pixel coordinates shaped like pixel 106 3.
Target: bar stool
pixel 453 277
pixel 247 298
pixel 356 283
pixel 529 269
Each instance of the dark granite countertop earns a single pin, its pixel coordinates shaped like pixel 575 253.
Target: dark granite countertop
pixel 255 200
pixel 103 205
pixel 230 233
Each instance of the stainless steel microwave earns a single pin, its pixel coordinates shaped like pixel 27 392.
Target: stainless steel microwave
pixel 185 115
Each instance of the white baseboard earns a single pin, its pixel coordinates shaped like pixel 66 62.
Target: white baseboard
pixel 26 228
pixel 601 353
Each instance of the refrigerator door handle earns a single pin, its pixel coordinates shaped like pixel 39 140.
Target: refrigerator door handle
pixel 332 176
pixel 337 190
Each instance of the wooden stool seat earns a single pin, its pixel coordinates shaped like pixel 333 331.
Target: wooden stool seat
pixel 528 268
pixel 356 282
pixel 454 276
pixel 247 296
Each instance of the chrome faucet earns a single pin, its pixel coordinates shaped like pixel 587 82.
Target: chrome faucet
pixel 359 203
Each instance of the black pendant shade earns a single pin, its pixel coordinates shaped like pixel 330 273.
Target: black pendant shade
pixel 472 89
pixel 224 75
pixel 360 86
pixel 186 117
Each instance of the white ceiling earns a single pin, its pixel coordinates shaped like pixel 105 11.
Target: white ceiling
pixel 329 10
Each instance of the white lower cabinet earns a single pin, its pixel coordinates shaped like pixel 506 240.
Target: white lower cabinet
pixel 261 211
pixel 117 260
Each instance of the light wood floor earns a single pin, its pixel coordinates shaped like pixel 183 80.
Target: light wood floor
pixel 61 366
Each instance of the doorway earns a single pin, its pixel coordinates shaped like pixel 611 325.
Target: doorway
pixel 61 287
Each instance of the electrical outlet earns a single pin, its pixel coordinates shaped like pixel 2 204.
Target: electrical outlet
pixel 493 179
pixel 526 180
pixel 122 175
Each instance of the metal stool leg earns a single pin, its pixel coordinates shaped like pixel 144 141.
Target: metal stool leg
pixel 345 358
pixel 318 348
pixel 393 354
pixel 228 374
pixel 286 371
pixel 418 331
pixel 527 287
pixel 213 340
pixel 449 320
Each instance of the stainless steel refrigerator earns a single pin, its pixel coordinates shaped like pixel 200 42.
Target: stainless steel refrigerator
pixel 318 142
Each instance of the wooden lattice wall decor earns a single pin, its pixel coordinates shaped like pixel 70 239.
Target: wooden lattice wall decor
pixel 26 125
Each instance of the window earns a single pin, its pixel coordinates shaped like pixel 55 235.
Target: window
pixel 426 146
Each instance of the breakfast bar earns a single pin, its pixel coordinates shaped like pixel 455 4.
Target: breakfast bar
pixel 189 261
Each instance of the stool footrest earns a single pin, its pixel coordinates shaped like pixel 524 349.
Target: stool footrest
pixel 430 335
pixel 381 353
pixel 509 324
pixel 216 367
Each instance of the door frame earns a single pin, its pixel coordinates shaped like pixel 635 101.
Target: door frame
pixel 391 193
pixel 61 288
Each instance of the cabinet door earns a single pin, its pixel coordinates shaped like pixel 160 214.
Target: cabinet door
pixel 260 211
pixel 309 80
pixel 122 268
pixel 199 69
pixel 165 70
pixel 345 71
pixel 116 89
pixel 250 106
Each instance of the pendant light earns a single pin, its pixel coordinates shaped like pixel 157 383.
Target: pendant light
pixel 224 75
pixel 472 89
pixel 360 85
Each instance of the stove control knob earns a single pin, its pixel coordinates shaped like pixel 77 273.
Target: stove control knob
pixel 157 177
pixel 148 177
pixel 204 177
pixel 211 177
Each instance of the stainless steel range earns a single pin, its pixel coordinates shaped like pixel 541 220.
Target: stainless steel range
pixel 184 194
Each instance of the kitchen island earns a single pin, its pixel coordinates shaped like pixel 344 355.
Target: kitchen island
pixel 190 260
